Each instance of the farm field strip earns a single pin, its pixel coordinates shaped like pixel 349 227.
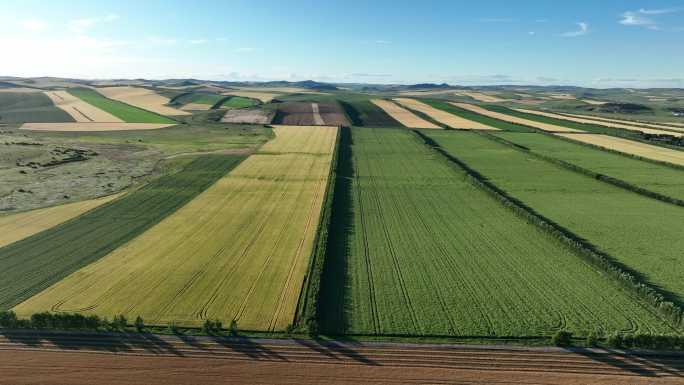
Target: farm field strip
pixel 238 102
pixel 663 126
pixel 318 120
pixel 20 107
pixel 405 227
pixel 297 114
pixel 34 263
pixel 248 116
pixel 78 109
pixel 514 119
pixel 479 96
pixel 365 113
pixel 264 97
pixel 453 121
pixel 402 115
pixel 126 112
pixel 600 123
pixel 486 120
pixel 15 227
pixel 195 107
pixel 662 179
pixel 639 232
pixel 631 147
pixel 92 126
pixel 239 250
pixel 332 113
pixel 141 98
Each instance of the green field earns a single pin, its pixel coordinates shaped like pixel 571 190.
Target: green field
pixel 496 123
pixel 197 98
pixel 416 249
pixel 239 102
pixel 34 263
pixel 662 179
pixel 362 112
pixel 642 233
pixel 123 111
pixel 33 107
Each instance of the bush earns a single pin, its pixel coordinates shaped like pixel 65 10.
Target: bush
pixel 139 324
pixel 119 322
pixel 233 328
pixel 592 339
pixel 562 338
pixel 8 319
pixel 615 340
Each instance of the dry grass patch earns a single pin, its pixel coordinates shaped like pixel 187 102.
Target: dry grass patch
pixel 239 250
pixel 601 123
pixel 80 110
pixel 402 115
pixel 443 117
pixel 93 126
pixel 196 107
pixel 142 98
pixel 481 97
pixel 248 116
pixel 514 119
pixel 630 147
pixel 664 125
pixel 15 227
pixel 262 96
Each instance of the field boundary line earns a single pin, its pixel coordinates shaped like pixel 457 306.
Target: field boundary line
pixel 306 314
pixel 587 172
pixel 627 277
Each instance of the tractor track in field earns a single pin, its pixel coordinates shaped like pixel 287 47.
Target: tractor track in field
pixel 533 361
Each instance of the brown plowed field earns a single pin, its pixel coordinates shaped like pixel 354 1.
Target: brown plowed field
pixel 150 359
pixel 295 114
pixel 332 114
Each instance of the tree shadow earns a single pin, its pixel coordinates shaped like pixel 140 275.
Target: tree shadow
pixel 248 347
pixel 649 364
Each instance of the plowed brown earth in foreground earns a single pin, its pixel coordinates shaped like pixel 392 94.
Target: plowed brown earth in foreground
pixel 149 359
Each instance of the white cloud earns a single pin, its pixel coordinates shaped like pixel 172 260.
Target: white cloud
pixel 160 40
pixel 380 41
pixel 34 25
pixel 82 25
pixel 198 41
pixel 531 33
pixel 583 30
pixel 642 17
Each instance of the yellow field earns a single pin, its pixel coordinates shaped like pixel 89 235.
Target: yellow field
pixel 481 97
pixel 89 126
pixel 663 126
pixel 196 107
pixel 78 109
pixel 402 115
pixel 142 98
pixel 264 97
pixel 15 227
pixel 443 117
pixel 514 119
pixel 602 123
pixel 239 250
pixel 630 147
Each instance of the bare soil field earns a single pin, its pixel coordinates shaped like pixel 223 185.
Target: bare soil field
pixel 402 115
pixel 630 147
pixel 18 226
pixel 196 107
pixel 332 114
pixel 600 123
pixel 92 126
pixel 80 110
pixel 150 359
pixel 318 120
pixel 248 116
pixel 514 119
pixel 19 90
pixel 443 117
pixel 296 114
pixel 142 98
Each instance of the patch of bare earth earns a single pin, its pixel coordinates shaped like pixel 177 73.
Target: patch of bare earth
pixel 248 116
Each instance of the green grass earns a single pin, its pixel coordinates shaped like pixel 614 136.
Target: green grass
pixel 417 249
pixel 198 98
pixel 491 122
pixel 33 264
pixel 238 102
pixel 650 176
pixel 642 233
pixel 123 111
pixel 33 107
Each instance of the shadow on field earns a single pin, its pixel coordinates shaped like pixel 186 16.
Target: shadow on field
pixel 141 342
pixel 649 364
pixel 334 349
pixel 248 347
pixel 335 277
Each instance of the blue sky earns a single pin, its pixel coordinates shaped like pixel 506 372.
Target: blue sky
pixel 591 43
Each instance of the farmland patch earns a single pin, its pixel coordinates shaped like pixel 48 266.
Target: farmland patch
pixel 402 115
pixel 450 120
pixel 79 110
pixel 365 113
pixel 19 107
pixel 248 116
pixel 142 98
pixel 123 111
pixel 514 119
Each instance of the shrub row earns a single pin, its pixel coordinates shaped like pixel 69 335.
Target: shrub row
pixel 306 318
pixel 623 340
pixel 65 321
pixel 628 278
pixel 572 167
